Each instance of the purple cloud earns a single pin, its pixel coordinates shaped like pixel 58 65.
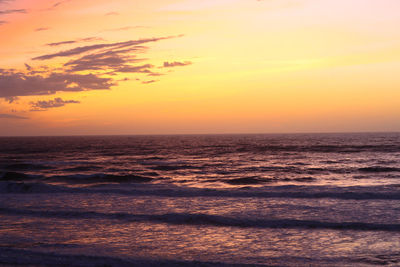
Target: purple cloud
pixel 41 29
pixel 43 105
pixel 88 39
pixel 88 48
pixel 13 84
pixel 176 64
pixel 12 116
pixel 11 11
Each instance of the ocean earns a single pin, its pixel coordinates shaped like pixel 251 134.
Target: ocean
pixel 201 200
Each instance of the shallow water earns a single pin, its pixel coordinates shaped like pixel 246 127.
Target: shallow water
pixel 277 200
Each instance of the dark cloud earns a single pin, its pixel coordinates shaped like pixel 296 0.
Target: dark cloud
pixel 61 43
pixel 88 48
pixel 55 5
pixel 88 39
pixel 155 74
pixel 13 84
pixel 176 64
pixel 110 61
pixel 104 61
pixel 41 29
pixel 12 116
pixel 28 67
pixel 151 81
pixel 43 105
pixel 11 11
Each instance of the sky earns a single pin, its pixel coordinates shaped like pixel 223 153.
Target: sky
pixel 84 67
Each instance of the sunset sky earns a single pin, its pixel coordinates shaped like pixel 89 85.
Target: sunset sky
pixel 72 67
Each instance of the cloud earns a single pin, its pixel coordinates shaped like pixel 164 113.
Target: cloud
pixel 12 116
pixel 103 62
pixel 57 4
pixel 2 22
pixel 28 67
pixel 176 64
pixel 125 28
pixel 88 48
pixel 41 29
pixel 55 103
pixel 88 39
pixel 11 11
pixel 112 61
pixel 14 84
pixel 148 82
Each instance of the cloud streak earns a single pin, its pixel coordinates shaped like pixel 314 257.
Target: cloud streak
pixel 14 84
pixel 44 105
pixel 12 116
pixel 12 11
pixel 176 64
pixel 88 39
pixel 103 62
pixel 88 48
pixel 41 29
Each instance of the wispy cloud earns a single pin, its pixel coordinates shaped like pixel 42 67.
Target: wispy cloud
pixel 126 28
pixel 88 39
pixel 176 64
pixel 84 49
pixel 28 67
pixel 103 61
pixel 57 4
pixel 12 116
pixel 148 82
pixel 14 84
pixel 44 105
pixel 41 29
pixel 2 22
pixel 109 60
pixel 11 11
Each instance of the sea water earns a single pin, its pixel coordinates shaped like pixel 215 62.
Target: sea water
pixel 206 200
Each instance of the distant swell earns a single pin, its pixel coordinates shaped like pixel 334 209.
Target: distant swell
pixel 205 219
pixel 379 169
pixel 305 192
pixel 23 257
pixel 102 178
pixel 25 167
pixel 17 176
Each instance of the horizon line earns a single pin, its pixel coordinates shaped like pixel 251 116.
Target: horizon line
pixel 206 134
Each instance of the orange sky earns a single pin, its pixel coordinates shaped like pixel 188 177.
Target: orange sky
pixel 70 67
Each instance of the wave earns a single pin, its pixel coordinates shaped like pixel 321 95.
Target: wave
pixel 301 192
pixel 19 187
pixel 12 256
pixel 262 180
pixel 377 169
pixel 206 219
pixel 83 168
pixel 17 176
pixel 101 178
pixel 25 167
pixel 15 256
pixel 319 148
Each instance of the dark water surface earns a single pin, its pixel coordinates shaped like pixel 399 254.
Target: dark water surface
pixel 275 200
